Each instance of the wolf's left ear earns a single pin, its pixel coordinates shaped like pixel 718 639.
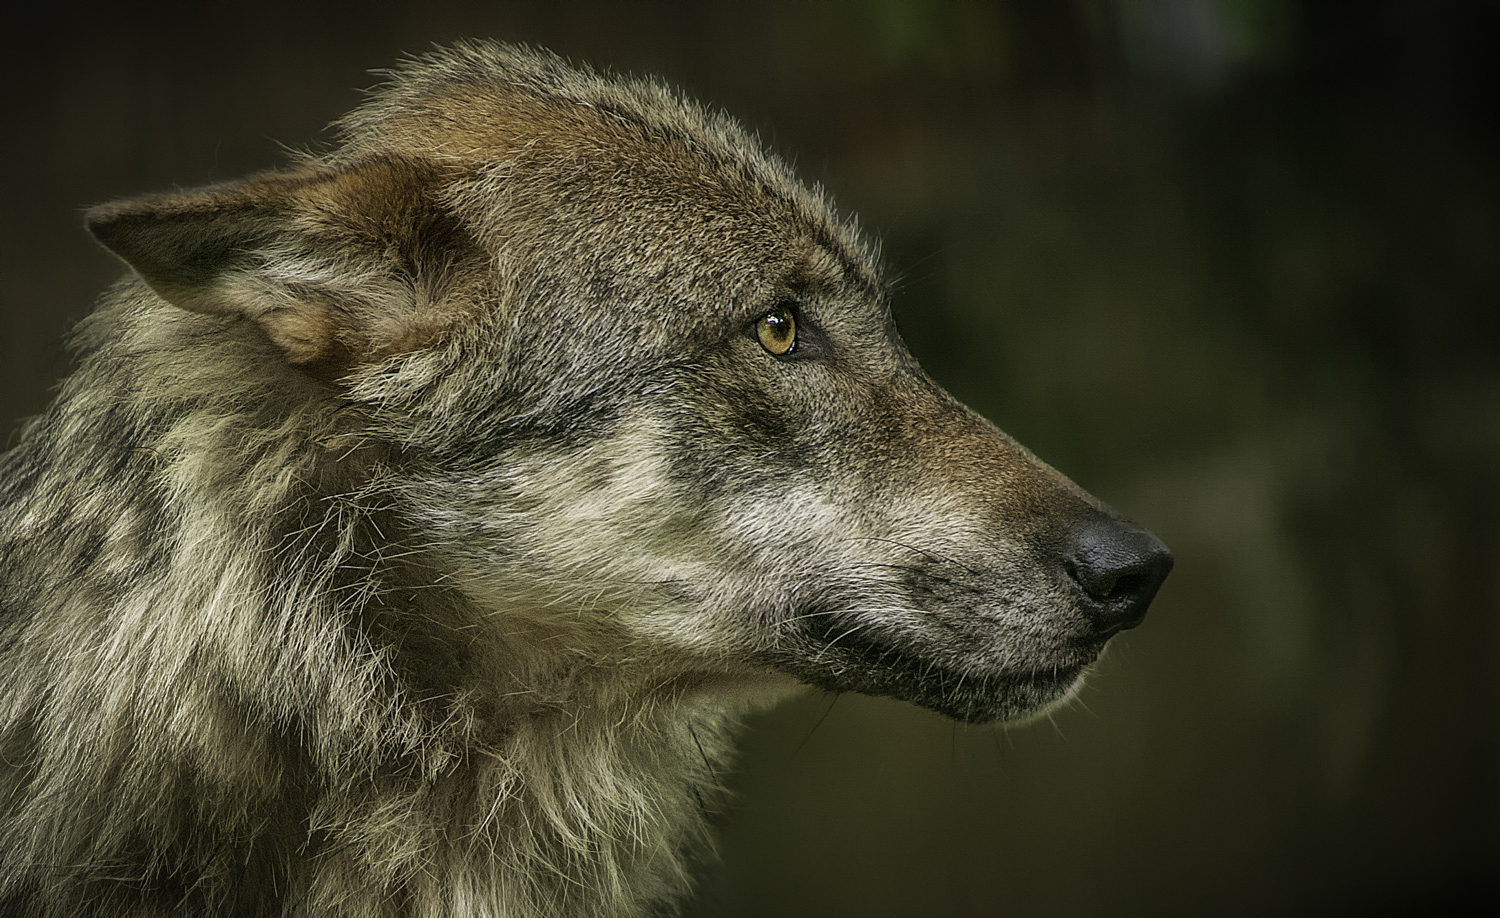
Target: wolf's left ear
pixel 337 266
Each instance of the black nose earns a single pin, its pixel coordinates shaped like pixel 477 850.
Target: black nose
pixel 1119 567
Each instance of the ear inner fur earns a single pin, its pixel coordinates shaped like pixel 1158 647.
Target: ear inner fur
pixel 338 266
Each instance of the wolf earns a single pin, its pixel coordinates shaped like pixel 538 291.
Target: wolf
pixel 424 515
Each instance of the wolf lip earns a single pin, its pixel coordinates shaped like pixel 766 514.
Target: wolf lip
pixel 971 685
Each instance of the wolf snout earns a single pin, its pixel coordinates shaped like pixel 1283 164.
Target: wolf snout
pixel 1118 567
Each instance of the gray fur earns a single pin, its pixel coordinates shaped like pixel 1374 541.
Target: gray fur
pixel 423 517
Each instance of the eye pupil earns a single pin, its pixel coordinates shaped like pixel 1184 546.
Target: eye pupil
pixel 777 331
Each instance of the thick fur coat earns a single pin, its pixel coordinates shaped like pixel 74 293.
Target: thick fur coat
pixel 423 516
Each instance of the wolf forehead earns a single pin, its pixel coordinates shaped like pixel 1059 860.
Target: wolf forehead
pixel 548 158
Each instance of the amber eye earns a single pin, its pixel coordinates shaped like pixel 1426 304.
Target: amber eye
pixel 777 331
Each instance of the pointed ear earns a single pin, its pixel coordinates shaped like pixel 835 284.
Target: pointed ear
pixel 184 246
pixel 337 266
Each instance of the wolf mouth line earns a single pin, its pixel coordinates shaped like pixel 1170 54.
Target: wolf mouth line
pixel 974 684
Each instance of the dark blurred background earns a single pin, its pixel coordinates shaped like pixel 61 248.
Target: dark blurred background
pixel 1231 264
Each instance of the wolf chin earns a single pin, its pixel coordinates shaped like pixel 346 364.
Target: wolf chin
pixel 423 516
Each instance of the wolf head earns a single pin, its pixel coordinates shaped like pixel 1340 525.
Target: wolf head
pixel 632 389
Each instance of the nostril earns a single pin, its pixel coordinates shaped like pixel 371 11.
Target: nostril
pixel 1123 587
pixel 1103 584
pixel 1119 567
